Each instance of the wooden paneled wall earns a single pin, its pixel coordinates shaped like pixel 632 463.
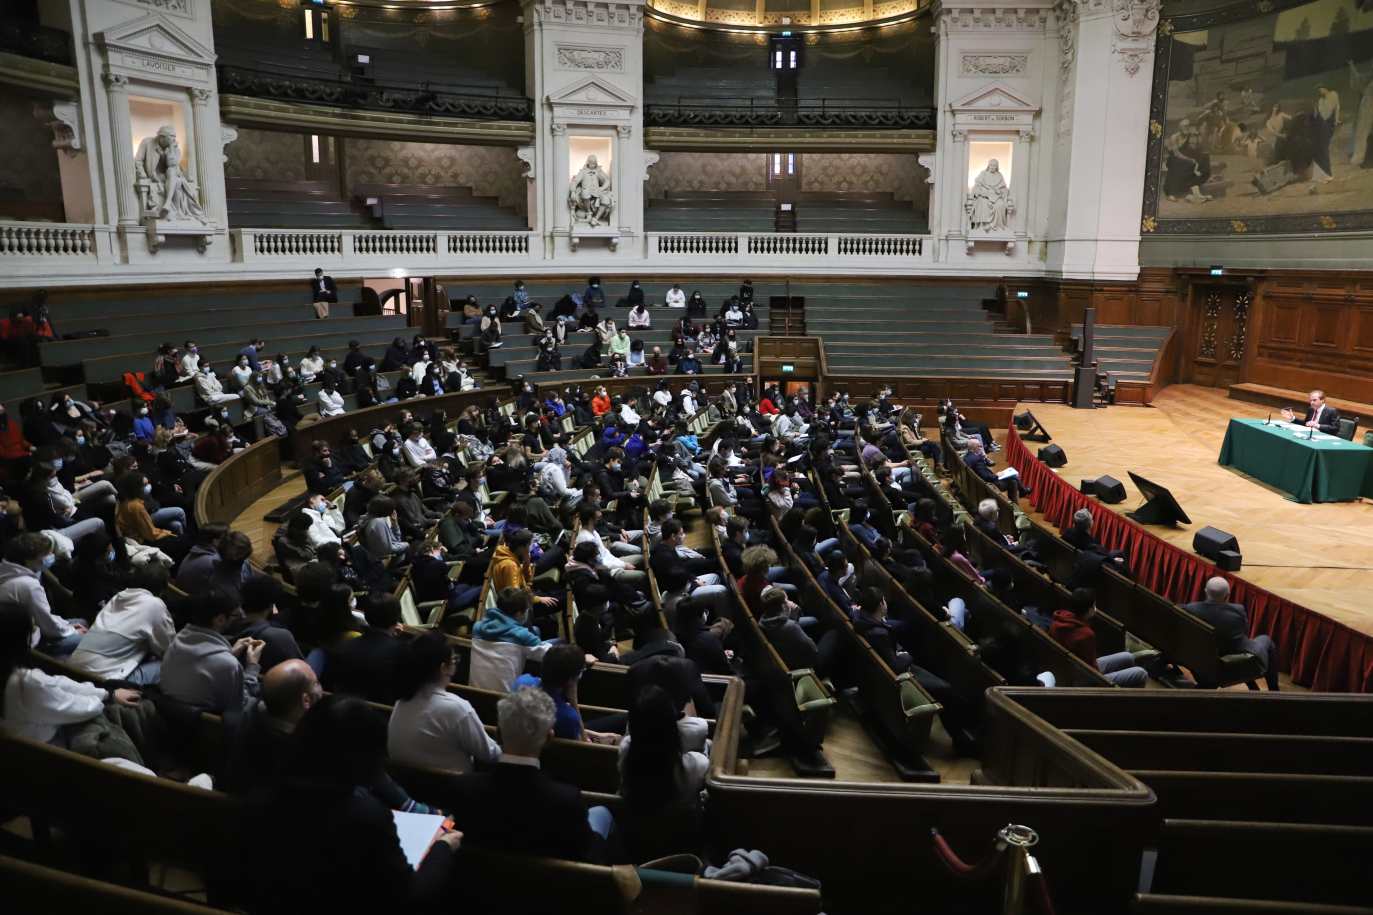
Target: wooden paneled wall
pixel 1296 329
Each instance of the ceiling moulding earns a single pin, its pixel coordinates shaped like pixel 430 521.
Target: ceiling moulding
pixel 758 139
pixel 38 74
pixel 245 111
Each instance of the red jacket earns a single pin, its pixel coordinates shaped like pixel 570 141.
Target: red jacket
pixel 767 408
pixel 1074 634
pixel 13 446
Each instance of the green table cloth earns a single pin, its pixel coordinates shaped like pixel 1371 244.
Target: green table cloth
pixel 1322 468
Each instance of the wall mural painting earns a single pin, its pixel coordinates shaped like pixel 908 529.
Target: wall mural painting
pixel 1262 120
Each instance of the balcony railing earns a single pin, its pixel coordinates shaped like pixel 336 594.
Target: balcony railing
pixel 347 246
pixel 420 98
pixel 763 111
pixel 53 242
pixel 754 247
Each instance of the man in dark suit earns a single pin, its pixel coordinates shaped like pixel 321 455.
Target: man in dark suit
pixel 1319 414
pixel 367 665
pixel 323 293
pixel 976 458
pixel 515 807
pixel 1231 623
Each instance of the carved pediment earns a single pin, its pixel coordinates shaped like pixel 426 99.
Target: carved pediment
pixel 995 97
pixel 155 34
pixel 592 91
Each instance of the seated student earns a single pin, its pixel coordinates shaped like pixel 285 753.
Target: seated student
pixel 202 668
pixel 260 595
pixel 688 364
pixel 36 705
pixel 703 643
pixel 429 725
pixel 320 813
pixel 872 624
pixel 1072 629
pixel 133 521
pixel 330 400
pixel 27 555
pixel 559 672
pixel 208 388
pixel 1231 623
pixel 512 566
pixel 623 567
pixel 430 581
pixel 639 317
pixel 261 747
pixel 131 633
pixel 796 649
pixel 369 665
pixel 660 780
pixel 515 807
pixel 502 642
pixel 380 530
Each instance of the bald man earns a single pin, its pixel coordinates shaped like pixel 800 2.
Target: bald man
pixel 289 690
pixel 1231 623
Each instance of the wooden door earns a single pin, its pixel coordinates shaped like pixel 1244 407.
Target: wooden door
pixel 1218 328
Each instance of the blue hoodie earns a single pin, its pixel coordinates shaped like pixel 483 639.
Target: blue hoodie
pixel 495 626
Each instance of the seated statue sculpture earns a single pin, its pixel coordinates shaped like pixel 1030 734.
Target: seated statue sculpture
pixel 164 191
pixel 590 198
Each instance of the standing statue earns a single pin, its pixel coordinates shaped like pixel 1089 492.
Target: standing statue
pixel 989 202
pixel 590 197
pixel 165 192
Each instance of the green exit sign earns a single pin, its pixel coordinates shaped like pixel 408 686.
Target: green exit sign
pixel 788 367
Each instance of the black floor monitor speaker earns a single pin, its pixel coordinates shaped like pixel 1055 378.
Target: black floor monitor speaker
pixel 1159 505
pixel 1052 456
pixel 1109 490
pixel 1031 428
pixel 1219 546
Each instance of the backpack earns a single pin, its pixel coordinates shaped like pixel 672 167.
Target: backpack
pixel 133 381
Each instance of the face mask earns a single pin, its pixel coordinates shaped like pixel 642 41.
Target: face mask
pixel 109 556
pixel 48 561
pixel 81 439
pixel 333 365
pixel 147 489
pixel 210 373
pixel 57 464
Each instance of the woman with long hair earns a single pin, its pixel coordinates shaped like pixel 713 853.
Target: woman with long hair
pixel 659 780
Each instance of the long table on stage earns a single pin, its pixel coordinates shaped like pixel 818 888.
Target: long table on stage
pixel 1308 466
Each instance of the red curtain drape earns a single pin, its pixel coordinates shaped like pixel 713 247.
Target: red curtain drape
pixel 1316 651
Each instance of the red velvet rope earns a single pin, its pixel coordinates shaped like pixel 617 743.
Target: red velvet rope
pixel 960 868
pixel 1037 890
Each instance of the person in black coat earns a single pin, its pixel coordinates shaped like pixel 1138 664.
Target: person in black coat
pixel 320 812
pixel 515 807
pixel 322 473
pixel 367 665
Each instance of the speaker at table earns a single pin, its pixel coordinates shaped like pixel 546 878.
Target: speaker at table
pixel 1052 456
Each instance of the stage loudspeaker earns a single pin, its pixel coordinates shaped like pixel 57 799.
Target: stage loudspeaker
pixel 1053 456
pixel 1034 430
pixel 1106 488
pixel 1159 505
pixel 1219 546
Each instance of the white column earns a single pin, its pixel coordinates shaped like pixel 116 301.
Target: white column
pixel 1108 81
pixel 121 138
pixel 208 155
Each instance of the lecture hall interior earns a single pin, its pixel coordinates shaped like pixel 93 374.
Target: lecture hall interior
pixel 933 437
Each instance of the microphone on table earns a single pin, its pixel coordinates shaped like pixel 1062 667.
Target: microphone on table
pixel 1269 420
pixel 1310 432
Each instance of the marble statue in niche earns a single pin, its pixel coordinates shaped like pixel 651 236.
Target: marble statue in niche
pixel 989 202
pixel 164 191
pixel 590 197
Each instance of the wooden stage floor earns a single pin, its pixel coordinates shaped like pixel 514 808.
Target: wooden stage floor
pixel 1319 555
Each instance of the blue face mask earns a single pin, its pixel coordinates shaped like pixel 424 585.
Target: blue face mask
pixel 109 557
pixel 48 560
pixel 81 439
pixel 57 464
pixel 147 489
